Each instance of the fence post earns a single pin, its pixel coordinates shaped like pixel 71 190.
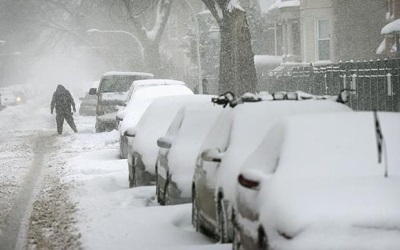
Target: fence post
pixel 353 83
pixel 312 78
pixel 389 85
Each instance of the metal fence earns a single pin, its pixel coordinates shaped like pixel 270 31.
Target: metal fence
pixel 375 84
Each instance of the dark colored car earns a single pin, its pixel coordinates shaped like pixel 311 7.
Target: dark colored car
pixel 112 94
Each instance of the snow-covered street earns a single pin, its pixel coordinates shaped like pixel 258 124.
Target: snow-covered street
pixel 71 191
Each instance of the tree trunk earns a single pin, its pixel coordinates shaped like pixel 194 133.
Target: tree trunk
pixel 237 70
pixel 152 58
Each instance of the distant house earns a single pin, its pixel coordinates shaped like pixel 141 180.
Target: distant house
pixel 325 31
pixel 390 45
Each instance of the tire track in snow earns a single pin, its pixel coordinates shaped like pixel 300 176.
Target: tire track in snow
pixel 14 235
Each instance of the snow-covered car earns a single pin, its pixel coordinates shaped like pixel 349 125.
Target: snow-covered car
pixel 137 102
pixel 234 136
pixel 7 97
pixel 111 95
pixel 179 148
pixel 143 150
pixel 322 181
pixel 89 101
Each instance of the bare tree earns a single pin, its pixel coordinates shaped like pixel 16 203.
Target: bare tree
pixel 149 19
pixel 237 71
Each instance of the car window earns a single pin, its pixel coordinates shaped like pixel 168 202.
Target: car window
pixel 118 83
pixel 176 124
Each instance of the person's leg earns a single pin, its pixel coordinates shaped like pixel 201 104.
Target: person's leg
pixel 70 121
pixel 60 122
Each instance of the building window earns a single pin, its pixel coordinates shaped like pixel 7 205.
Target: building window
pixel 323 40
pixel 390 10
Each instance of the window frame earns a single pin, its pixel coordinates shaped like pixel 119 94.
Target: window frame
pixel 318 39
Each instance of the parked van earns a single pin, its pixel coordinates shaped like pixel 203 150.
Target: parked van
pixel 111 95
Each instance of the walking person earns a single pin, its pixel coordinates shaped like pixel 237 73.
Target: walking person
pixel 62 100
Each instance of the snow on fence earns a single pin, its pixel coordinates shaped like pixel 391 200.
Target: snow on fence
pixel 375 84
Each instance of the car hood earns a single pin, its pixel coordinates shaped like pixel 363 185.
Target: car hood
pixel 293 206
pixel 107 117
pixel 113 97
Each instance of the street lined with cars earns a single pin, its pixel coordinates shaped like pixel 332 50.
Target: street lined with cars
pixel 210 151
pixel 283 170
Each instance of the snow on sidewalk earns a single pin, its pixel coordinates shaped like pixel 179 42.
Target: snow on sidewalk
pixel 112 216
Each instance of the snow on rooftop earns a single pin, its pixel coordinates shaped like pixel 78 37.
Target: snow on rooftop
pixel 391 27
pixel 126 73
pixel 267 60
pixel 280 4
pixel 265 4
pixel 234 4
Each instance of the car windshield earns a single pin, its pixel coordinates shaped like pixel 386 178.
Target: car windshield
pixel 117 83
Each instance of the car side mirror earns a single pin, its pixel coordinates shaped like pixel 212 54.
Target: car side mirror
pixel 212 154
pixel 93 91
pixel 344 95
pixel 164 142
pixel 130 132
pixel 120 116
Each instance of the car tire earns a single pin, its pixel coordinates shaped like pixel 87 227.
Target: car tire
pixel 167 197
pixel 123 152
pixel 222 224
pixel 125 147
pixel 237 242
pixel 134 175
pixel 100 128
pixel 131 183
pixel 195 212
pixel 262 239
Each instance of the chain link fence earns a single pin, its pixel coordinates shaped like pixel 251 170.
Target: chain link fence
pixel 375 85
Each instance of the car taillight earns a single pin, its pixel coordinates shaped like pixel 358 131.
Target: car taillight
pixel 252 184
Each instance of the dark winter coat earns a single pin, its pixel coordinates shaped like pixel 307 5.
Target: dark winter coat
pixel 62 100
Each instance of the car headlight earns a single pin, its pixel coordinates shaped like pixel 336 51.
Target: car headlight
pixel 18 99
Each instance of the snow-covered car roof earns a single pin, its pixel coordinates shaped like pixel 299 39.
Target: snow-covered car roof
pixel 321 171
pixel 127 73
pixel 238 131
pixel 142 98
pixel 148 82
pixel 155 123
pixel 187 131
